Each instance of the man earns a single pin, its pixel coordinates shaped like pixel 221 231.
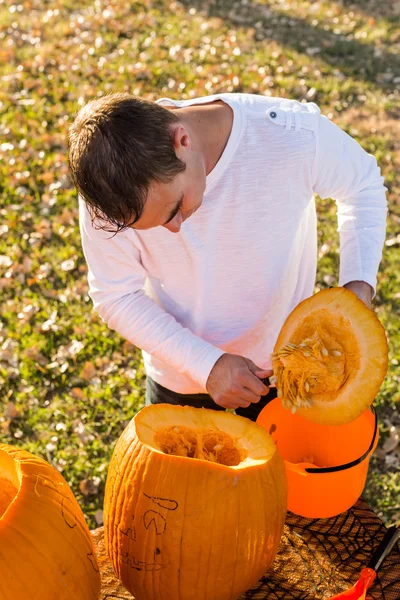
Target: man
pixel 198 225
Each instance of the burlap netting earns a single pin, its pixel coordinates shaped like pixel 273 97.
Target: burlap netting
pixel 317 559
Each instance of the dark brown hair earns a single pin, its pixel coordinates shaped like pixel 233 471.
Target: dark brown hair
pixel 118 146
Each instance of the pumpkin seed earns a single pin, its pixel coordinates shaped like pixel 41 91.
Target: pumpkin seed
pixel 336 353
pixel 306 353
pixel 324 351
pixel 306 386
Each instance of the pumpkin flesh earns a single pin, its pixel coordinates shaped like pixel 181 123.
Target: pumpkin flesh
pixel 330 358
pixel 195 504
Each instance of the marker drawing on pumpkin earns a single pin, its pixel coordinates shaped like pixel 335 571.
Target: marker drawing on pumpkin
pixel 43 481
pixel 92 561
pixel 64 514
pixel 163 502
pixel 130 532
pixel 140 565
pixel 113 478
pixel 152 517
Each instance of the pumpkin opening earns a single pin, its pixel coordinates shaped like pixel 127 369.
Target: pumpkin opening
pixel 213 436
pixel 215 446
pixel 9 482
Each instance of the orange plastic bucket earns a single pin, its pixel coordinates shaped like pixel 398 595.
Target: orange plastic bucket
pixel 326 465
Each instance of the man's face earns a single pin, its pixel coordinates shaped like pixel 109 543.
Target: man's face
pixel 170 204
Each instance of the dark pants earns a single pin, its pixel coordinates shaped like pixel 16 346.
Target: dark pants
pixel 157 394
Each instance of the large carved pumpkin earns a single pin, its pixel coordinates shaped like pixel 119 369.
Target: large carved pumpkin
pixel 195 504
pixel 330 358
pixel 46 552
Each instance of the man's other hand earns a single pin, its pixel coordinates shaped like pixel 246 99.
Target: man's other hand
pixel 361 289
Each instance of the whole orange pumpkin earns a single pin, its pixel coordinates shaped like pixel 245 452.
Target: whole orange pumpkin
pixel 46 552
pixel 195 504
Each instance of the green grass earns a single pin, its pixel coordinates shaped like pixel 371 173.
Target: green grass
pixel 344 58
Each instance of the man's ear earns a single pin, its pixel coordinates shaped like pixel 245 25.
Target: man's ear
pixel 181 138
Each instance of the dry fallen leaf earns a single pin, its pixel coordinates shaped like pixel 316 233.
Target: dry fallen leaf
pixel 5 283
pixel 26 264
pixel 5 261
pixel 88 371
pixel 81 432
pixel 34 354
pixel 68 265
pixel 98 516
pixel 89 487
pixel 127 346
pixel 391 442
pixel 393 241
pixel 44 228
pixel 77 393
pixel 11 411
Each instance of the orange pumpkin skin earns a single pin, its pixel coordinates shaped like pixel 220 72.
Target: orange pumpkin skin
pixel 330 357
pixel 46 551
pixel 187 528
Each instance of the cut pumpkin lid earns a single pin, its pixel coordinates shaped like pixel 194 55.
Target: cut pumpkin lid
pixel 330 357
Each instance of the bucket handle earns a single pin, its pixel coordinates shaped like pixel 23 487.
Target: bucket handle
pixel 353 463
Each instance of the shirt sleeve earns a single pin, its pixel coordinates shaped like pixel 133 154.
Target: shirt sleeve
pixel 116 280
pixel 344 171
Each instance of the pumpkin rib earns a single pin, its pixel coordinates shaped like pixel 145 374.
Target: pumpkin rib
pixel 209 561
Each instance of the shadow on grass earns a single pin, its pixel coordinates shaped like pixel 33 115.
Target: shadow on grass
pixel 354 59
pixel 379 9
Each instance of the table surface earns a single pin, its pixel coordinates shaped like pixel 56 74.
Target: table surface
pixel 317 558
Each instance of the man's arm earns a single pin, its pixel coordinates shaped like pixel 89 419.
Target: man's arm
pixel 342 170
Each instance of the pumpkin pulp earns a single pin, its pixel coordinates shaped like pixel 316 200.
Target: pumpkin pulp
pixel 215 446
pixel 318 362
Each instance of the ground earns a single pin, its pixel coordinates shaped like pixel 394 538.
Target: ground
pixel 68 384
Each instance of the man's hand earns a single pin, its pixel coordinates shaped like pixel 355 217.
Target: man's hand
pixel 363 290
pixel 235 381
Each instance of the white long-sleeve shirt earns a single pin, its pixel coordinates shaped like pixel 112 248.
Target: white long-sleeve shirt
pixel 227 281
